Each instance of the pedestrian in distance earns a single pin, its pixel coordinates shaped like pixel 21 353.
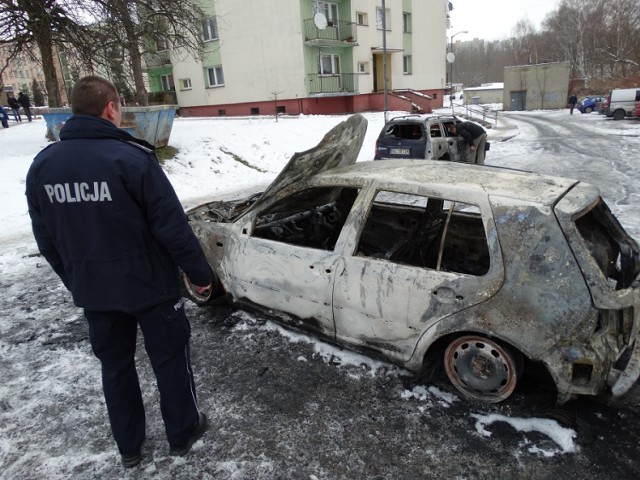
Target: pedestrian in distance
pixel 573 100
pixel 23 99
pixel 107 220
pixel 4 118
pixel 475 136
pixel 15 107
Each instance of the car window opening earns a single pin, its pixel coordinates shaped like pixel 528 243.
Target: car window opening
pixel 610 247
pixel 438 235
pixel 407 131
pixel 311 218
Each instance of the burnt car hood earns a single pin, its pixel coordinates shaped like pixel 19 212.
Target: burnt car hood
pixel 339 147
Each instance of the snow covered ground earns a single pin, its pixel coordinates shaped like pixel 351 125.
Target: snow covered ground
pixel 217 156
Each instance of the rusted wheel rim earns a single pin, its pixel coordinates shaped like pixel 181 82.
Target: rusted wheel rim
pixel 481 368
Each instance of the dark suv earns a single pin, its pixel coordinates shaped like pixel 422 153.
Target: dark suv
pixel 420 137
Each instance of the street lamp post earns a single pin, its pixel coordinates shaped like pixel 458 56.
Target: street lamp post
pixel 451 64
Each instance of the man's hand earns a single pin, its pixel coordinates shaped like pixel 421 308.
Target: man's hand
pixel 202 290
pixel 472 148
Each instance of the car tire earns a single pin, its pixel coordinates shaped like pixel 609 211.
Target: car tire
pixel 619 115
pixel 216 294
pixel 588 110
pixel 483 369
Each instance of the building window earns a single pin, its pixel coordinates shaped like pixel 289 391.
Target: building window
pixel 363 67
pixel 387 18
pixel 406 22
pixel 406 65
pixel 361 18
pixel 255 111
pixel 210 29
pixel 167 82
pixel 328 64
pixel 281 109
pixel 162 44
pixel 328 9
pixel 222 112
pixel 185 84
pixel 215 76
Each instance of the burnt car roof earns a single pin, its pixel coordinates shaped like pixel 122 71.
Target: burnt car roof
pixel 521 185
pixel 422 118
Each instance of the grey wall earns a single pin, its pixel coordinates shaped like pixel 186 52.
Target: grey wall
pixel 543 86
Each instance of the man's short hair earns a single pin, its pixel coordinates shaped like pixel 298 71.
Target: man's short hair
pixel 91 94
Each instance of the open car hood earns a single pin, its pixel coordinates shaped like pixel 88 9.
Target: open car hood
pixel 339 147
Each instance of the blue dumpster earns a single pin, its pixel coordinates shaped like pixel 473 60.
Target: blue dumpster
pixel 152 124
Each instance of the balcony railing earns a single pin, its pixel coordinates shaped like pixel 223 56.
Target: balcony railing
pixel 337 32
pixel 337 83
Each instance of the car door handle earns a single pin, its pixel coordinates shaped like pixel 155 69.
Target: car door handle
pixel 447 295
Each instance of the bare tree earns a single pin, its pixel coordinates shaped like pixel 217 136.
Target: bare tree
pixel 524 43
pixel 41 23
pixel 620 43
pixel 134 25
pixel 600 39
pixel 97 31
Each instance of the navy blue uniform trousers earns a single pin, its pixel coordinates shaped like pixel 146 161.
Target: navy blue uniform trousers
pixel 166 333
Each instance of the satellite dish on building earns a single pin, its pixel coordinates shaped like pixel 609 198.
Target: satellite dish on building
pixel 451 57
pixel 320 21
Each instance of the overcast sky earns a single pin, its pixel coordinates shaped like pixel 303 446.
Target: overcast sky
pixel 495 19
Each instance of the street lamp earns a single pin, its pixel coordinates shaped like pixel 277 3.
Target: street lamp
pixel 451 58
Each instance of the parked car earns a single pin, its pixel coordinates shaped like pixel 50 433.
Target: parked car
pixel 482 268
pixel 622 102
pixel 638 109
pixel 590 103
pixel 601 106
pixel 421 137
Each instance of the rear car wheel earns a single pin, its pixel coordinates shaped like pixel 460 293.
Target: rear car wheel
pixel 588 110
pixel 481 368
pixel 619 115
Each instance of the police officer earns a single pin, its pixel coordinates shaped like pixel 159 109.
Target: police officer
pixel 476 138
pixel 109 223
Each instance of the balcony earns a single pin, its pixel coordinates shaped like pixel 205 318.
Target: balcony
pixel 339 83
pixel 337 34
pixel 158 59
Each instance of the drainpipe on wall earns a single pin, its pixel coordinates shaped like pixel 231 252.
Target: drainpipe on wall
pixel 384 57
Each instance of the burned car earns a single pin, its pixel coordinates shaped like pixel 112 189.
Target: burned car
pixel 486 269
pixel 420 137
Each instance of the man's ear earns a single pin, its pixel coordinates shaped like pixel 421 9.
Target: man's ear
pixel 109 112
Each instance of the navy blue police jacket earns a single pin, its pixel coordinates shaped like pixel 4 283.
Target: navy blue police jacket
pixel 108 221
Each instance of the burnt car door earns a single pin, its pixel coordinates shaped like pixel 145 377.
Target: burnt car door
pixel 416 260
pixel 437 143
pixel 458 148
pixel 282 257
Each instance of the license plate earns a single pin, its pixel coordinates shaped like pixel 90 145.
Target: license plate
pixel 399 151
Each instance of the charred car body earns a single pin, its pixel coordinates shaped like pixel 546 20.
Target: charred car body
pixel 420 137
pixel 486 267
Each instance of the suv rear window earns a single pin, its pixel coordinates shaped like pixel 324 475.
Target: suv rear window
pixel 411 131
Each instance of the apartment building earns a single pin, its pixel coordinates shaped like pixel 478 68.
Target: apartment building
pixel 19 76
pixel 309 57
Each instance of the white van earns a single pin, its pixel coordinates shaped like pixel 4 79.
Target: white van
pixel 622 102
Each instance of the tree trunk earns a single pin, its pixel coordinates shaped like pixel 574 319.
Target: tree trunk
pixel 136 61
pixel 43 37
